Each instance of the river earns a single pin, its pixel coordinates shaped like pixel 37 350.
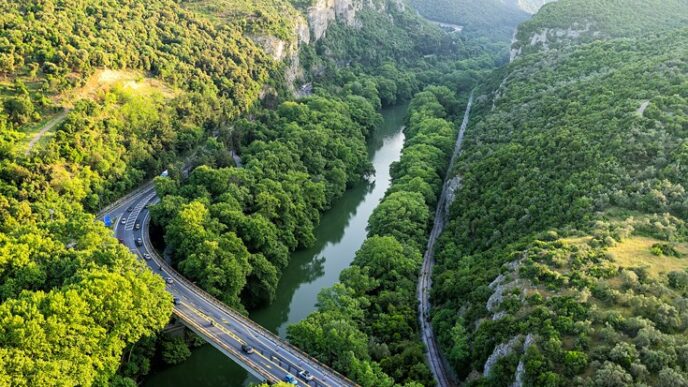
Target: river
pixel 341 232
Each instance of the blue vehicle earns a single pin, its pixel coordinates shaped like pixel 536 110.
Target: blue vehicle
pixel 107 220
pixel 289 378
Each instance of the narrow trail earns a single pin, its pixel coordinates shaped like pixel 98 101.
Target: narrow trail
pixel 443 376
pixel 46 128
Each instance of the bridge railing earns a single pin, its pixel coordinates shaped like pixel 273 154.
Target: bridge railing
pixel 208 297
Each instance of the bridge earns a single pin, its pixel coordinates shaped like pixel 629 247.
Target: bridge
pixel 271 358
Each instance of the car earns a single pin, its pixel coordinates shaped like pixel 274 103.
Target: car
pixel 289 378
pixel 139 242
pixel 123 221
pixel 130 209
pixel 146 256
pixel 169 280
pixel 176 301
pixel 305 375
pixel 247 348
pixel 121 241
pixel 137 226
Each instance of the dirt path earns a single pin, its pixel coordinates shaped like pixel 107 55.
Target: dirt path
pixel 46 128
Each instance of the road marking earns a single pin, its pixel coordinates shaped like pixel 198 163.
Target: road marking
pixel 256 366
pixel 134 214
pixel 258 333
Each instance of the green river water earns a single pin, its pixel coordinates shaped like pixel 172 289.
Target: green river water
pixel 341 232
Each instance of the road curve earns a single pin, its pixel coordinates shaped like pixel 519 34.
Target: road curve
pixel 218 324
pixel 440 371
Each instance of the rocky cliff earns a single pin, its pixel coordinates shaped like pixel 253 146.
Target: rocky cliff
pixel 532 6
pixel 322 13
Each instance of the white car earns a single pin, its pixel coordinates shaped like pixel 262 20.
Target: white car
pixel 123 221
pixel 305 375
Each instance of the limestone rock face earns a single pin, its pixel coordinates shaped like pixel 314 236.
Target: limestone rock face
pixel 324 12
pixel 532 6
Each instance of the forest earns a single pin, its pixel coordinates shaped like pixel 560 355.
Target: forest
pixel 563 262
pixel 231 229
pixel 366 326
pixel 486 20
pixel 72 299
pixel 191 79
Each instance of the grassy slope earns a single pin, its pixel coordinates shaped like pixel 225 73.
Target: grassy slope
pixel 563 148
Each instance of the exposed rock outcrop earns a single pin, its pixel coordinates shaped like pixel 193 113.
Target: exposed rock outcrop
pixel 500 351
pixel 324 12
pixel 532 6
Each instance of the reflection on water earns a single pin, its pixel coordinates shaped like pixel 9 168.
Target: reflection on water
pixel 341 232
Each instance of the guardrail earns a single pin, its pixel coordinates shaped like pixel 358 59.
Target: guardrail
pixel 231 351
pixel 117 203
pixel 208 297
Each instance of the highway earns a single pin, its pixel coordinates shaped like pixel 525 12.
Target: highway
pixel 440 371
pixel 272 357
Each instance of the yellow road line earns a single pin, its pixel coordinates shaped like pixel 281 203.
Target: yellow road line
pixel 241 341
pixel 222 344
pixel 217 325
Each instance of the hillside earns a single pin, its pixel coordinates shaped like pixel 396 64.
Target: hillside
pixel 564 260
pixel 99 96
pixel 580 21
pixel 496 19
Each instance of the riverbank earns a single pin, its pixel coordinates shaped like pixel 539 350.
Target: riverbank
pixel 341 232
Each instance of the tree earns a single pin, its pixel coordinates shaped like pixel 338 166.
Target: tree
pixel 387 259
pixel 612 375
pixel 20 109
pixel 174 350
pixel 403 215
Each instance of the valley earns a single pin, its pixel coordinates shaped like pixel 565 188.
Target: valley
pixel 343 192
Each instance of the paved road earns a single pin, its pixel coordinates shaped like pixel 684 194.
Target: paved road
pixel 218 324
pixel 443 376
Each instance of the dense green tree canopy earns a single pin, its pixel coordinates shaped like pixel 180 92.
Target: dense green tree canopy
pixel 563 236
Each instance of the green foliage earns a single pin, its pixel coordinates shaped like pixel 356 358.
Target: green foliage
pixel 174 350
pixel 68 312
pixel 599 19
pixel 572 151
pixel 405 39
pixel 232 229
pixel 487 18
pixel 376 300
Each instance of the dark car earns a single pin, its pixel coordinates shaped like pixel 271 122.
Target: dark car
pixel 247 348
pixel 130 209
pixel 139 242
pixel 176 301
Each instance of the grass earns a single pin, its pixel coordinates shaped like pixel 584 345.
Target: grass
pixel 129 81
pixel 104 80
pixel 635 252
